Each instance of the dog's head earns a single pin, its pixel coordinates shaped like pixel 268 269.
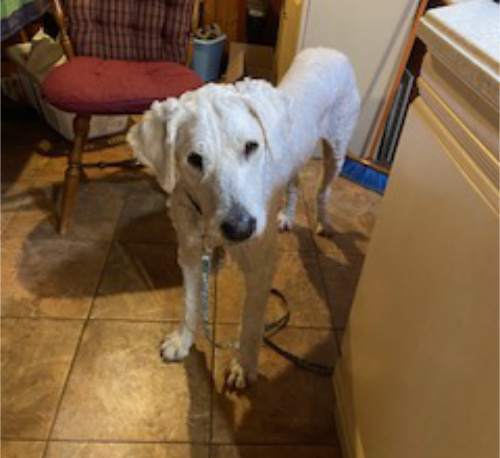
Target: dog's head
pixel 222 146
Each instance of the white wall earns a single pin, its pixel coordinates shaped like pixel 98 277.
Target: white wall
pixel 372 34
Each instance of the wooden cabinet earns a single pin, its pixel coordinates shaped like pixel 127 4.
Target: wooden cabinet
pixel 288 35
pixel 229 14
pixel 419 371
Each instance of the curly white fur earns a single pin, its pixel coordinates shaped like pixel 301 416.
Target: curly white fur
pixel 317 100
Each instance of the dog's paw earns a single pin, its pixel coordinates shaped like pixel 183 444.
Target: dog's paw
pixel 325 229
pixel 236 377
pixel 174 348
pixel 285 223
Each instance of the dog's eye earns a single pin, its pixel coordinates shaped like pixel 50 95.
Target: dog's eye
pixel 250 147
pixel 196 161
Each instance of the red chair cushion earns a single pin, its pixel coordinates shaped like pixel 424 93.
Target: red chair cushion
pixel 88 85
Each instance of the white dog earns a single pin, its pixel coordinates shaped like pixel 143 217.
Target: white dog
pixel 224 153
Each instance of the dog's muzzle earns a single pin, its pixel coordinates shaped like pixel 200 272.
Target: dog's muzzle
pixel 238 225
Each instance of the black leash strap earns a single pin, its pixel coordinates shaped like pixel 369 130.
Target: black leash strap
pixel 273 328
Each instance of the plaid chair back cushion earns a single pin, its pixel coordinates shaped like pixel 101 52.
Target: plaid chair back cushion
pixel 139 30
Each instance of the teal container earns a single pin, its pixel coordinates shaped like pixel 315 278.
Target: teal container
pixel 207 57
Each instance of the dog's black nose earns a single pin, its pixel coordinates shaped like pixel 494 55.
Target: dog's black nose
pixel 238 225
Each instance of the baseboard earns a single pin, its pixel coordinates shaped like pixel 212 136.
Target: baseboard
pixel 350 437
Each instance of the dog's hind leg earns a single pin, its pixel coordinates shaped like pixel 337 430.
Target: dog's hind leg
pixel 286 216
pixel 333 159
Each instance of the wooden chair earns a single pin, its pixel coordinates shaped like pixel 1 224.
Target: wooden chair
pixel 122 55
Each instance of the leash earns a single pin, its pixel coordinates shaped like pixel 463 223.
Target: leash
pixel 270 329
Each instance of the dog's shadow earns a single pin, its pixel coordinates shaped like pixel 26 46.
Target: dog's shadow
pixel 289 405
pixel 343 272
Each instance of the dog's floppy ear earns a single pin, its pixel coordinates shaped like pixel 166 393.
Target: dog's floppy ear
pixel 153 141
pixel 271 107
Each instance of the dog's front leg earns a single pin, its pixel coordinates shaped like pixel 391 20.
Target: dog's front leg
pixel 258 266
pixel 177 344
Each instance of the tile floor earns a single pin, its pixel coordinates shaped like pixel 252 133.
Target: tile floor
pixel 83 316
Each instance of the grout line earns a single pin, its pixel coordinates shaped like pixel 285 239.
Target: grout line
pixel 164 321
pixel 163 442
pixel 56 318
pixel 120 216
pixel 289 326
pixel 331 445
pixel 63 391
pixel 318 253
pixel 55 237
pixel 137 320
pixel 212 369
pixel 76 352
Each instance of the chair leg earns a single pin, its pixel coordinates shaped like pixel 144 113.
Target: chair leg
pixel 72 177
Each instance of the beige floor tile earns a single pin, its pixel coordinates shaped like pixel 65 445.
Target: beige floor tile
pixel 341 275
pixel 344 238
pixel 36 356
pixel 352 210
pixel 120 389
pixel 24 175
pixel 140 281
pixel 21 164
pixel 145 218
pixel 300 238
pixel 143 281
pixel 275 451
pixel 10 250
pixel 229 292
pixel 230 296
pixel 287 404
pixel 34 212
pixel 55 278
pixel 110 450
pixel 17 449
pixel 97 209
pixel 5 220
pixel 13 197
pixel 297 278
